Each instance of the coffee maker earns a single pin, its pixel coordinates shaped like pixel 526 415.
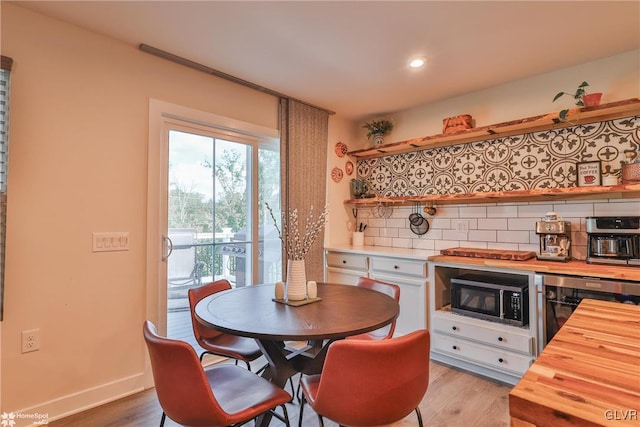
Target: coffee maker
pixel 555 238
pixel 613 240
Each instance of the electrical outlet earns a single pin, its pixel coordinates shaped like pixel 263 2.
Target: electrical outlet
pixel 462 226
pixel 30 340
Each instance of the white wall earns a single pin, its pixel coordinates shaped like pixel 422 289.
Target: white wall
pixel 79 118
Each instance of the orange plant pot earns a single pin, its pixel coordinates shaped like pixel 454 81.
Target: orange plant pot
pixel 591 99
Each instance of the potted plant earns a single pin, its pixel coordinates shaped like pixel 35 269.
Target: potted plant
pixel 582 98
pixel 378 129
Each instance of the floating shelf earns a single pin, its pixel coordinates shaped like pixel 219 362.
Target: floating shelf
pixel 578 116
pixel 573 193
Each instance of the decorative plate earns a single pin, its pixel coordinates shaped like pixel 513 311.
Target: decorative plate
pixel 348 167
pixel 341 149
pixel 336 174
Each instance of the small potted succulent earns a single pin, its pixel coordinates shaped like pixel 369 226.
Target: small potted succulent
pixel 378 129
pixel 582 98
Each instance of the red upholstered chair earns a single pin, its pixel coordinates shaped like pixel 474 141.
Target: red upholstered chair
pixel 386 288
pixel 219 343
pixel 225 395
pixel 370 383
pixel 215 342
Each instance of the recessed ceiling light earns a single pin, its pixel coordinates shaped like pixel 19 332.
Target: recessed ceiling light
pixel 417 62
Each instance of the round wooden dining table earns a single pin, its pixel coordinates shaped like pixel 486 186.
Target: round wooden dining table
pixel 342 310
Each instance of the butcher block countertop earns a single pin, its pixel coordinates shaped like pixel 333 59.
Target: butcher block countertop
pixel 574 268
pixel 588 375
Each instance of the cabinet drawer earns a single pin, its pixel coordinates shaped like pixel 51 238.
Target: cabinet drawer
pixel 345 260
pixel 487 333
pixel 399 266
pixel 478 353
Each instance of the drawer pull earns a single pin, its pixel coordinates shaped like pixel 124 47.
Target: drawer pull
pixel 396 267
pixel 500 339
pixel 344 261
pixel 455 347
pixel 501 360
pixel 455 328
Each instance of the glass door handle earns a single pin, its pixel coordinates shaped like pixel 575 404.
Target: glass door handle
pixel 167 246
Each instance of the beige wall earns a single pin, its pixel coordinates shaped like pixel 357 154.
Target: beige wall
pixel 79 118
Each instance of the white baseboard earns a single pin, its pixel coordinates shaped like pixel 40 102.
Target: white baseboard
pixel 85 399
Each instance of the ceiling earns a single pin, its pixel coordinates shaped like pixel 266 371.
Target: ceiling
pixel 351 57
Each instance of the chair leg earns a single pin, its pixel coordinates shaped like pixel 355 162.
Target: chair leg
pixel 301 411
pixel 286 416
pixel 419 417
pixel 164 416
pixel 320 420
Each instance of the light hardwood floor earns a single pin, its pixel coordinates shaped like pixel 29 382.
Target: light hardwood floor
pixel 454 399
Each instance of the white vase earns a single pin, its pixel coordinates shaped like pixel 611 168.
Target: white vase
pixel 296 280
pixel 378 139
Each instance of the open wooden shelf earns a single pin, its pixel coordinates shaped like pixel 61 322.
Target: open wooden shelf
pixel 573 193
pixel 578 116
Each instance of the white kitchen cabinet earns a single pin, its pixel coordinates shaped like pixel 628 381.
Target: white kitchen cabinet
pixel 409 274
pixel 345 268
pixel 496 350
pixel 411 277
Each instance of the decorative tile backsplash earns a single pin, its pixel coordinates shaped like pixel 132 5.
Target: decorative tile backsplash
pixel 531 161
pixel 522 162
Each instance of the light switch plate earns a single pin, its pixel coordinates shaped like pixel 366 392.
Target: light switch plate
pixel 113 241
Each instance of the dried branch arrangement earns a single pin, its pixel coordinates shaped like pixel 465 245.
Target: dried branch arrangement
pixel 295 247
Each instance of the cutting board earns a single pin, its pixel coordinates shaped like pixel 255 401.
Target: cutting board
pixel 489 253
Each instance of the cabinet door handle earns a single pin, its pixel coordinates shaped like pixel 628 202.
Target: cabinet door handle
pixel 396 267
pixel 455 328
pixel 344 261
pixel 500 339
pixel 501 360
pixel 455 347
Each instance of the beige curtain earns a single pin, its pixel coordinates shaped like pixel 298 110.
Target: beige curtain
pixel 303 154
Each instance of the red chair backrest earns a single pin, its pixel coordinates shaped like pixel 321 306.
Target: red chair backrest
pixel 390 289
pixel 182 387
pixel 197 294
pixel 366 383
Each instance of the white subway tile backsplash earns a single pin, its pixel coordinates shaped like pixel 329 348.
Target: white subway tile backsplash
pixel 473 212
pixel 521 224
pixel 617 208
pixel 383 241
pixel 573 210
pixel 390 231
pixel 502 211
pixel 492 223
pixel 513 236
pixel 447 212
pixel 440 223
pixel 504 226
pixel 454 235
pixel 534 210
pixel 483 235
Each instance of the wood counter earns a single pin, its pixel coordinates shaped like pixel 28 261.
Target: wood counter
pixel 588 375
pixel 574 268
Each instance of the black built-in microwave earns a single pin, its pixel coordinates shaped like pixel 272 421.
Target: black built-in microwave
pixel 495 297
